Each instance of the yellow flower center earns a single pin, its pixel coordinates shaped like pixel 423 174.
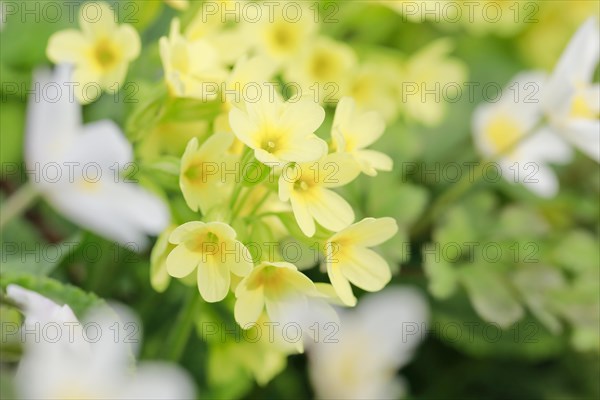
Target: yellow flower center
pixel 362 89
pixel 74 392
pixel 202 242
pixel 271 141
pixel 105 54
pixel 580 108
pixel 89 186
pixel 283 37
pixel 195 173
pixel 303 185
pixel 503 133
pixel 323 66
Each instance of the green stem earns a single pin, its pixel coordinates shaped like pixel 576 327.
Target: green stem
pixel 16 204
pixel 235 195
pixel 260 203
pixel 183 326
pixel 238 207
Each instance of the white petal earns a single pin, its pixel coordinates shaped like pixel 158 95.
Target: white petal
pixel 395 319
pixel 576 65
pixel 544 183
pixel 160 381
pixel 102 142
pixel 122 212
pixel 53 116
pixel 585 135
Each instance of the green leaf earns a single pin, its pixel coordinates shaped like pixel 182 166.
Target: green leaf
pixel 577 251
pixel 79 301
pixel 490 294
pixel 455 322
pixel 37 258
pixel 443 280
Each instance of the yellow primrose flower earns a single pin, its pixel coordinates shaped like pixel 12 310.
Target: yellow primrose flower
pixel 212 249
pixel 307 187
pixel 426 74
pixel 322 69
pixel 100 52
pixel 248 78
pixel 280 132
pixel 202 171
pixel 352 132
pixel 192 68
pixel 348 259
pixel 375 86
pixel 216 23
pixel 282 37
pixel 270 285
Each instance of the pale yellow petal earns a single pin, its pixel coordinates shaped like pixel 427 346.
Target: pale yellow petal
pixel 338 281
pixel 302 214
pixel 129 40
pixel 239 261
pixel 285 186
pixel 303 117
pixel 366 129
pixel 181 261
pixel 330 210
pixel 213 279
pixel 299 282
pixel 97 19
pixel 248 308
pixel 371 161
pixel 303 149
pixel 222 230
pixel 68 46
pixel 215 146
pixel 243 127
pixel 368 232
pixel 343 113
pixel 185 231
pixel 88 86
pixel 365 268
pixel 336 169
pixel 112 81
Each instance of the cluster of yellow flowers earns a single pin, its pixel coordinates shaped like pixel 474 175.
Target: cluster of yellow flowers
pixel 264 162
pixel 262 169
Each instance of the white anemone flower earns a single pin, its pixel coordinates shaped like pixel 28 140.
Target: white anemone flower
pixel 571 100
pixel 86 363
pixel 375 339
pixel 509 132
pixel 77 168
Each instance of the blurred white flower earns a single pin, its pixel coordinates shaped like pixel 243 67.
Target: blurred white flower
pixel 78 168
pixel 508 129
pixel 39 309
pixel 87 363
pixel 375 339
pixel 570 100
